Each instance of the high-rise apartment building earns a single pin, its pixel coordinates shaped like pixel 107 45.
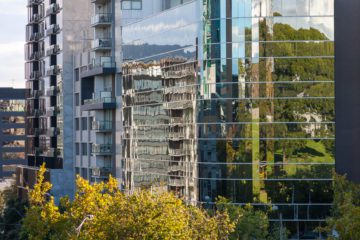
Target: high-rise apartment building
pixel 95 100
pixel 12 130
pixel 53 33
pixel 236 99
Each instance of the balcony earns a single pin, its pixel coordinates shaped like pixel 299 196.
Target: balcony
pixel 34 2
pixel 52 152
pixel 177 152
pixel 101 44
pixel 102 126
pixel 179 105
pixel 176 182
pixel 176 168
pixel 53 50
pixel 53 70
pixel 35 18
pixel 34 75
pixel 34 37
pixel 101 172
pixel 54 8
pixel 33 113
pixel 33 132
pixel 50 132
pixel 30 94
pixel 52 91
pixel 100 66
pixel 53 29
pixel 176 120
pixel 102 149
pixel 176 135
pixel 52 111
pixel 101 20
pixel 100 101
pixel 35 56
pixel 99 1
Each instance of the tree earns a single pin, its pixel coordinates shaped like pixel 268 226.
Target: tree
pixel 104 212
pixel 12 211
pixel 345 217
pixel 249 223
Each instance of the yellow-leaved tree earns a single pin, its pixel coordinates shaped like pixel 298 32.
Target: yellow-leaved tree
pixel 101 211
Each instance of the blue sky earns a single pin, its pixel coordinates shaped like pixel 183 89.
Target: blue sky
pixel 12 38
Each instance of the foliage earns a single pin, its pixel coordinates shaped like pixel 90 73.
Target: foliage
pixel 11 212
pixel 249 223
pixel 104 212
pixel 345 217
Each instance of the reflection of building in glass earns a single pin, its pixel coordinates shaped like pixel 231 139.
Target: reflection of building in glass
pixel 241 93
pixel 12 125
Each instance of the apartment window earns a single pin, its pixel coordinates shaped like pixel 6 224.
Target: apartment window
pixel 77 149
pixel 77 75
pixel 91 119
pixel 77 124
pixel 77 99
pixel 131 4
pixel 84 123
pixel 84 149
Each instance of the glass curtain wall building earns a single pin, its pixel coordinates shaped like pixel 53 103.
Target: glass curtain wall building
pixel 234 98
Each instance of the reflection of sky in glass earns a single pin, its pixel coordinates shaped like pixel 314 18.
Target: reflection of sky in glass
pixel 173 26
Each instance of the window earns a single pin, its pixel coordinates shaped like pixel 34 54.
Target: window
pixel 84 123
pixel 131 4
pixel 91 119
pixel 77 75
pixel 77 149
pixel 77 99
pixel 84 149
pixel 77 124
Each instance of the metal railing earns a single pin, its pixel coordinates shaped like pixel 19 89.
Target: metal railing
pixel 101 149
pixel 101 18
pixel 102 125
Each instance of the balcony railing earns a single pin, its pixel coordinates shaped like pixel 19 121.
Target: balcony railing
pixel 52 91
pixel 34 37
pixel 52 50
pixel 177 152
pixel 176 135
pixel 101 44
pixel 100 100
pixel 178 105
pixel 34 2
pixel 35 18
pixel 53 70
pixel 102 125
pixel 101 19
pixel 101 172
pixel 176 120
pixel 53 29
pixel 177 182
pixel 176 168
pixel 34 56
pixel 54 8
pixel 101 149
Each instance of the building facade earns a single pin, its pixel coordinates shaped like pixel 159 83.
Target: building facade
pixel 52 35
pixel 236 99
pixel 12 125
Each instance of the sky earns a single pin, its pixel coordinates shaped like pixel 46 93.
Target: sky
pixel 13 14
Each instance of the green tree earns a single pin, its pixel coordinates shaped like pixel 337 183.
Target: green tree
pixel 12 211
pixel 249 223
pixel 345 217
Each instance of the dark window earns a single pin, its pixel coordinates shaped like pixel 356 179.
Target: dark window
pixel 77 149
pixel 77 99
pixel 84 123
pixel 77 75
pixel 84 149
pixel 77 124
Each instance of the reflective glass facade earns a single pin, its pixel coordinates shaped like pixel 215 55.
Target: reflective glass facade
pixel 234 98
